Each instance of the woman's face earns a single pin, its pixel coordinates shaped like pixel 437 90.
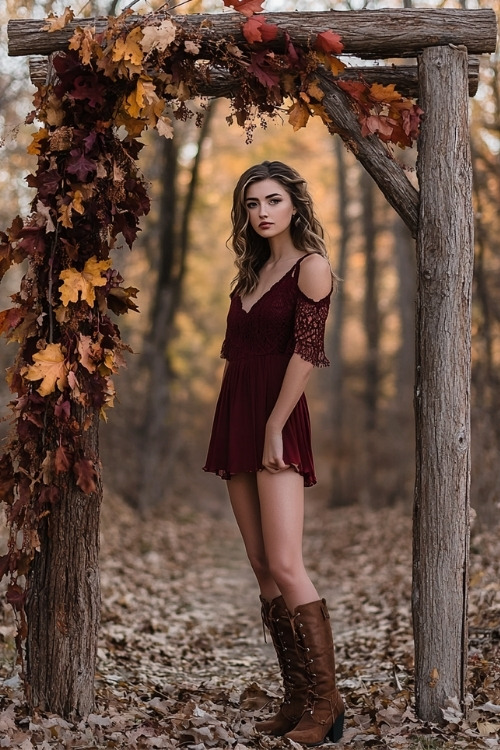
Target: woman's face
pixel 270 208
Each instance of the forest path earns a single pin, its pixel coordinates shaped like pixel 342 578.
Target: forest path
pixel 182 658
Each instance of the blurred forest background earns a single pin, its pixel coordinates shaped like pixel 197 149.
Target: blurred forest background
pixel 153 446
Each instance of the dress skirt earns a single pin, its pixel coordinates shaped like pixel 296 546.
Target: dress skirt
pixel 248 394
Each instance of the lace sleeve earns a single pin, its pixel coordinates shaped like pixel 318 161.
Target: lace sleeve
pixel 309 331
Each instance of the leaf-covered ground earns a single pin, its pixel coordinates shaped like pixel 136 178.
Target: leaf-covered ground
pixel 183 662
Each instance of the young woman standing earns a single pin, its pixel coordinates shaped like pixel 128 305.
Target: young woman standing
pixel 261 441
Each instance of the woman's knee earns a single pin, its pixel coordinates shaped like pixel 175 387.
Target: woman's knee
pixel 286 570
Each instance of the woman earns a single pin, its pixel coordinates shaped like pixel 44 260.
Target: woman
pixel 261 439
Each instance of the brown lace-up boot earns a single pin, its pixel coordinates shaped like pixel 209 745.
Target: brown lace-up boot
pixel 276 617
pixel 324 715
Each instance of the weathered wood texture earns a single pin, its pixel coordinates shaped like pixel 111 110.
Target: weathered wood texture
pixel 63 605
pixel 404 77
pixel 370 152
pixel 442 395
pixel 365 33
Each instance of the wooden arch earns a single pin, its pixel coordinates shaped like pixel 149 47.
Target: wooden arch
pixel 440 216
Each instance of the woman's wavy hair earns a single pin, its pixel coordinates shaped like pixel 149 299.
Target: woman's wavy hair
pixel 250 249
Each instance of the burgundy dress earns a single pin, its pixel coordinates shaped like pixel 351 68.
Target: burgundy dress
pixel 258 346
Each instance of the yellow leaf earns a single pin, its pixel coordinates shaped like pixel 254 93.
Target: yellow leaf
pixel 56 23
pixel 83 282
pixel 136 101
pixel 51 368
pixel 128 49
pixel 83 41
pixel 35 146
pixel 76 203
pixel 65 216
pixel 298 115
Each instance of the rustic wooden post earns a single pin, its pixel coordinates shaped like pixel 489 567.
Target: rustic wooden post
pixel 445 261
pixel 64 595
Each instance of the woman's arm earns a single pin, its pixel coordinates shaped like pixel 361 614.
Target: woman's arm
pixel 315 281
pixel 292 388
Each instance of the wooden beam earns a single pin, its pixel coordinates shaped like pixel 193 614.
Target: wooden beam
pixel 404 77
pixel 369 34
pixel 370 152
pixel 445 254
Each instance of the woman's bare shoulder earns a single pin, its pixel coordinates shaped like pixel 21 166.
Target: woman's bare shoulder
pixel 315 277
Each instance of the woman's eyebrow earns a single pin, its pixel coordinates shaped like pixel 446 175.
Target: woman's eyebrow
pixel 267 197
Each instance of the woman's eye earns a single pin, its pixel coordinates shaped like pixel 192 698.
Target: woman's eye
pixel 251 205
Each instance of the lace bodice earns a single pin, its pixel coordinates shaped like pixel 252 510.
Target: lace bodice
pixel 282 321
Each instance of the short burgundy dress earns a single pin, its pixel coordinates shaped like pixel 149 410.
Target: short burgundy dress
pixel 258 346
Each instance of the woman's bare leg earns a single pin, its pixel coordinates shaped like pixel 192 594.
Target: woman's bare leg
pixel 281 498
pixel 244 498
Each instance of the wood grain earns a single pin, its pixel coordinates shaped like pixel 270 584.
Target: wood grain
pixel 403 32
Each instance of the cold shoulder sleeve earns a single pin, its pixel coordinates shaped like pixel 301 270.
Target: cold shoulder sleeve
pixel 309 329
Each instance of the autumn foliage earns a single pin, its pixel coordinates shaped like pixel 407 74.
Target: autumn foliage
pixel 107 87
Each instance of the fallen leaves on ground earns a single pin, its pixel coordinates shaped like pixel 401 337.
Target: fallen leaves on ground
pixel 182 659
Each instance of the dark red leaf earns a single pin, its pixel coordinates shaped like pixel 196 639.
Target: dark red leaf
pixel 16 596
pixel 33 242
pixel 85 475
pixel 4 565
pixel 49 495
pixel 247 7
pixel 10 318
pixel 329 42
pixel 257 30
pixel 79 165
pixel 47 183
pixel 88 88
pixel 63 459
pixel 265 74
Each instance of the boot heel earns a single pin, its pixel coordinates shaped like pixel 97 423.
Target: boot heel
pixel 337 730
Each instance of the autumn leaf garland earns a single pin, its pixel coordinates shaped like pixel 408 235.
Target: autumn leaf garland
pixel 129 77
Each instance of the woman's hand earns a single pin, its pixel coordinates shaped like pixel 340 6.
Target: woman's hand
pixel 272 458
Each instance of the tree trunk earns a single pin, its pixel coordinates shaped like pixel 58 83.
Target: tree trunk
pixel 405 262
pixel 371 307
pixel 63 604
pixel 158 443
pixel 340 480
pixel 442 397
pixel 366 33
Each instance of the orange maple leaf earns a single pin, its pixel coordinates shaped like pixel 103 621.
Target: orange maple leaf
pixel 35 146
pixel 384 94
pixel 298 115
pixel 51 368
pixel 83 283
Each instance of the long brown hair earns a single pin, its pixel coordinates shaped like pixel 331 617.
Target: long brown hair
pixel 250 249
